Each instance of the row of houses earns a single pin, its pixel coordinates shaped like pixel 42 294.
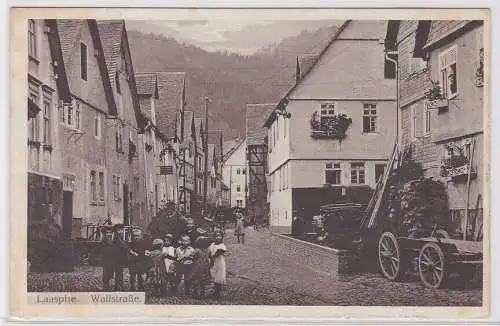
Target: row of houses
pixel 106 142
pixel 415 83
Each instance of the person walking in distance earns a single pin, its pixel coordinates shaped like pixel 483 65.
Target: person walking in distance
pixel 240 228
pixel 216 252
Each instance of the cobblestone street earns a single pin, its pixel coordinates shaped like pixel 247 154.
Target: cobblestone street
pixel 256 276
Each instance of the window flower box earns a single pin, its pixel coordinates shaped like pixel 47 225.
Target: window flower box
pixel 333 127
pixel 435 98
pixel 456 167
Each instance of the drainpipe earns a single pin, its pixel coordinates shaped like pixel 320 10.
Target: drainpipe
pixel 397 93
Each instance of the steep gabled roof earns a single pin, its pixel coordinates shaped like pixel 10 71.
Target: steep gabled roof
pixel 57 56
pixel 231 146
pixel 216 137
pixel 147 84
pixel 198 126
pixel 282 103
pixel 256 116
pixel 114 40
pixel 111 32
pixel 188 124
pixel 170 101
pixel 69 32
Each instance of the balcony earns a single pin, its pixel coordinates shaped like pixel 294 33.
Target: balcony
pixel 457 168
pixel 332 127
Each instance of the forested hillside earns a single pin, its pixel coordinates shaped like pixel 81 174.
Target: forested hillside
pixel 230 80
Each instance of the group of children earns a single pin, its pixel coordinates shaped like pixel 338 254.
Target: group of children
pixel 164 265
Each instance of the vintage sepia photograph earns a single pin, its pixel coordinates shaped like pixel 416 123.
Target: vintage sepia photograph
pixel 246 160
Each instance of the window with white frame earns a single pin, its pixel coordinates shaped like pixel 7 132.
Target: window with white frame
pixel 118 137
pixel 369 117
pixel 357 173
pixel 448 72
pixel 46 121
pixel 239 202
pixel 32 48
pixel 333 173
pixel 413 121
pixel 93 186
pixel 78 112
pixel 101 186
pixel 33 123
pixel 97 126
pixel 326 113
pixel 238 188
pixel 116 187
pixel 427 121
pixel 238 171
pixel 379 171
pixel 83 61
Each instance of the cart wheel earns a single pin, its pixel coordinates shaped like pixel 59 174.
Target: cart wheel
pixel 389 256
pixel 431 266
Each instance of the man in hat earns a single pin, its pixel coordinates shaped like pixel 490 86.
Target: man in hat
pixel 192 231
pixel 137 261
pixel 113 258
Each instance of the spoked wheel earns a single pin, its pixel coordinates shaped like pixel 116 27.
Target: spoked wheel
pixel 389 256
pixel 431 266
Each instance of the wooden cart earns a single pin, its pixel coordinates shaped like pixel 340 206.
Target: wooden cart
pixel 433 258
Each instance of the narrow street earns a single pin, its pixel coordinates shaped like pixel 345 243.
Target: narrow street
pixel 256 276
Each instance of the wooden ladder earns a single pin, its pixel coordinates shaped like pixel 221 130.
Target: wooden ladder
pixel 371 211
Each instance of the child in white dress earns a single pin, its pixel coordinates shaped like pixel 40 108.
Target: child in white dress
pixel 216 252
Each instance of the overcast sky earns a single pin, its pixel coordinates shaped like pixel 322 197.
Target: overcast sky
pixel 241 35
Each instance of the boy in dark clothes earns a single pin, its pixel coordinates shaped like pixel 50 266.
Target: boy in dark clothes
pixel 114 258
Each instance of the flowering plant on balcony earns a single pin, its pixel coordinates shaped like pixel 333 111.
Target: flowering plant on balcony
pixel 456 164
pixel 434 93
pixel 435 98
pixel 334 126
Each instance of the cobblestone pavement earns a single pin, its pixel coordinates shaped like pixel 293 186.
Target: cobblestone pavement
pixel 256 276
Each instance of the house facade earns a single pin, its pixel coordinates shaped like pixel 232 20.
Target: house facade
pixel 199 165
pixel 169 110
pixel 82 135
pixel 215 137
pixel 124 152
pixel 47 90
pixel 153 142
pixel 187 181
pixel 234 173
pixel 440 86
pixel 330 137
pixel 257 160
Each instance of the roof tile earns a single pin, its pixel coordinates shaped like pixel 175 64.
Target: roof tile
pixel 111 32
pixel 168 106
pixel 256 116
pixel 145 83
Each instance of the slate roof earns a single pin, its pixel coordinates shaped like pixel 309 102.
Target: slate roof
pixel 111 32
pixel 256 116
pixel 188 120
pixel 146 83
pixel 69 31
pixel 168 106
pixel 198 125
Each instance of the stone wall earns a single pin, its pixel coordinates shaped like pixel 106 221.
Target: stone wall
pixel 332 262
